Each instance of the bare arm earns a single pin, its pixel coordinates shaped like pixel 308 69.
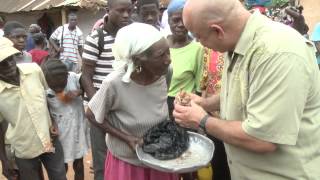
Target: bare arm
pixel 54 44
pixel 54 131
pixel 88 67
pixel 3 129
pixel 209 104
pixel 292 13
pixel 108 128
pixel 80 48
pixel 230 132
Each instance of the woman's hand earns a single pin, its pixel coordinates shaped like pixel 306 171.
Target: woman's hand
pixel 134 141
pixel 197 99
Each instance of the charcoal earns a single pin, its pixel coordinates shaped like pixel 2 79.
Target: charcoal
pixel 166 141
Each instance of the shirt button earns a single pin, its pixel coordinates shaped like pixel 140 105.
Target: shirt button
pixel 230 162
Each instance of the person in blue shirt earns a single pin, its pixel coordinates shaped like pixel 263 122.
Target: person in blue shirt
pixel 33 29
pixel 315 37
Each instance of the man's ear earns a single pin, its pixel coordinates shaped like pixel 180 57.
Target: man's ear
pixel 217 30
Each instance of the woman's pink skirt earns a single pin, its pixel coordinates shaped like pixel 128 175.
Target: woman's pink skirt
pixel 116 169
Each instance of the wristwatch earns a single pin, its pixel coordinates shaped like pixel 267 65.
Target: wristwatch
pixel 202 124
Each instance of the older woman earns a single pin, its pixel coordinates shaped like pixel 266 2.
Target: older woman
pixel 186 55
pixel 132 99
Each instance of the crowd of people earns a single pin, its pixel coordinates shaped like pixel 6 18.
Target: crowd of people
pixel 252 82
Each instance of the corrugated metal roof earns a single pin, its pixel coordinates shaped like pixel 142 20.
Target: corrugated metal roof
pixel 11 6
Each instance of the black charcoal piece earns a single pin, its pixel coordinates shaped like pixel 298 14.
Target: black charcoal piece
pixel 166 141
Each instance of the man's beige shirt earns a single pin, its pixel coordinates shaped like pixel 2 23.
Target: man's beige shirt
pixel 274 89
pixel 24 107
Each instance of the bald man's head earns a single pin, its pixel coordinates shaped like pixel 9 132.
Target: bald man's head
pixel 213 21
pixel 213 10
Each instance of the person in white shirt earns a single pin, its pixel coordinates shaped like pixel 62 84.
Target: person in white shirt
pixel 67 41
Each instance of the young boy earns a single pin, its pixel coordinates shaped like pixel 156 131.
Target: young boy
pixel 24 107
pixel 17 33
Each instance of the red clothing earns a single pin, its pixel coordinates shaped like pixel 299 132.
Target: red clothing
pixel 38 55
pixel 121 170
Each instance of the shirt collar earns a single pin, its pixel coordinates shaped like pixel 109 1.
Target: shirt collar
pixel 23 72
pixel 66 26
pixel 249 32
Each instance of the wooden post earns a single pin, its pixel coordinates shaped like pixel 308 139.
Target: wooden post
pixel 63 16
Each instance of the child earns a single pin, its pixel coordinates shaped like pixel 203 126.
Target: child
pixel 66 108
pixel 38 53
pixel 17 33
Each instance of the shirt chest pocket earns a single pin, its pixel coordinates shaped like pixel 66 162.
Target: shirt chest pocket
pixel 238 96
pixel 244 91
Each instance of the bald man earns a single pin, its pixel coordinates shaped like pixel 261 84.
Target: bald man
pixel 270 96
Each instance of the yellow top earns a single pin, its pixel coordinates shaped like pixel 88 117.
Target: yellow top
pixel 271 84
pixel 24 107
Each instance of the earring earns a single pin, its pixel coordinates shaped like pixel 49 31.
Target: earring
pixel 138 69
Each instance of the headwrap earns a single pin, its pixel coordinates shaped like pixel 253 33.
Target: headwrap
pixel 132 40
pixel 176 5
pixel 316 33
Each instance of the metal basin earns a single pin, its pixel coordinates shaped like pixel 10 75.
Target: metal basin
pixel 198 155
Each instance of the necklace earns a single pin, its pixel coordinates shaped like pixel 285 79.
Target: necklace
pixel 73 35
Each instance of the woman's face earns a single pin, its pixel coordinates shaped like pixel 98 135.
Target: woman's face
pixel 176 24
pixel 158 59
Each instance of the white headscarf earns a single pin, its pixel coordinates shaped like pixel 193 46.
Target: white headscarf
pixel 132 40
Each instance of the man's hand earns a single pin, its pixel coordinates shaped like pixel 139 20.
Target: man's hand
pixel 189 116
